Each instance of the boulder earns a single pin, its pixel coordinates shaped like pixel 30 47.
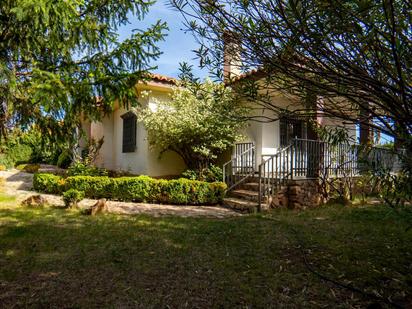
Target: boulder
pixel 99 208
pixel 35 201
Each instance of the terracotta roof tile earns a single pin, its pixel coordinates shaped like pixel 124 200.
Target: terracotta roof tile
pixel 251 73
pixel 162 78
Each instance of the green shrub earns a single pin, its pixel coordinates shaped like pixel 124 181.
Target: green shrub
pixel 82 169
pixel 64 159
pixel 190 174
pixel 21 167
pixel 48 183
pixel 137 189
pixel 20 153
pixel 15 154
pixel 72 197
pixel 93 187
pixel 214 173
pixel 29 168
pixel 6 161
pixel 210 174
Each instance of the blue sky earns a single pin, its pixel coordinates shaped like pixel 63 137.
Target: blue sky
pixel 177 46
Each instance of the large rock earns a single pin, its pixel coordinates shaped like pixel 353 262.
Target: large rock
pixel 99 208
pixel 35 201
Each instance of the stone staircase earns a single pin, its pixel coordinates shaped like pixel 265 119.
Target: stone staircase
pixel 245 197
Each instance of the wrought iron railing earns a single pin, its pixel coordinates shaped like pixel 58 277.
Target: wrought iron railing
pixel 306 159
pixel 274 171
pixel 313 158
pixel 241 166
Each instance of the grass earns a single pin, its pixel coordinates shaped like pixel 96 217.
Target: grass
pixel 59 258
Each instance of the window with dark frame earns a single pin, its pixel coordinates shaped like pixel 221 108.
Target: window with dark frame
pixel 291 128
pixel 129 132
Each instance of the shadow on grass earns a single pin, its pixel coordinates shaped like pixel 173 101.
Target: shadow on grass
pixel 54 257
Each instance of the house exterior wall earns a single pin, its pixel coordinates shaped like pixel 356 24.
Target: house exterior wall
pixel 104 129
pixel 333 122
pixel 132 162
pixel 143 161
pixel 266 135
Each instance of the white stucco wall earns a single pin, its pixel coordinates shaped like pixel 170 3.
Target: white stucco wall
pixel 333 122
pixel 266 135
pixel 144 161
pixel 132 162
pixel 104 129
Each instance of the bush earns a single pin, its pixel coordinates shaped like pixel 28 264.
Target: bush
pixel 48 183
pixel 14 153
pixel 29 168
pixel 72 197
pixel 93 187
pixel 6 161
pixel 64 159
pixel 214 173
pixel 135 189
pixel 20 153
pixel 82 169
pixel 194 192
pixel 210 174
pixel 190 174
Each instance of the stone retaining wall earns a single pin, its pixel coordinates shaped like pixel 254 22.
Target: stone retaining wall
pixel 306 193
pixel 298 194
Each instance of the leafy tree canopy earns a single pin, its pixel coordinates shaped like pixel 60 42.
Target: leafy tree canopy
pixel 63 58
pixel 352 57
pixel 199 122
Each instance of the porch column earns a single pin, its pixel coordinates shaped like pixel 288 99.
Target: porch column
pixel 364 128
pixel 364 140
pixel 315 151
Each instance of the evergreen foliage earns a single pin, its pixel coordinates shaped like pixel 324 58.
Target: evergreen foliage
pixel 62 60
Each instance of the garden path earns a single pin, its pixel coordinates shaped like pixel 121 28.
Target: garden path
pixel 19 184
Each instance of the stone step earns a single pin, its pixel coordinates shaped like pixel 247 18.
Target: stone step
pixel 246 195
pixel 251 186
pixel 240 204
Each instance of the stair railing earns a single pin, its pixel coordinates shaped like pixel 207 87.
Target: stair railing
pixel 274 171
pixel 311 159
pixel 239 168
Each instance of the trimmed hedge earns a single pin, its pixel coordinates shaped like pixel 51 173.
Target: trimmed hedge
pixel 48 183
pixel 135 189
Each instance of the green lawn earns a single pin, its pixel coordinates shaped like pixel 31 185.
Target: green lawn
pixel 59 258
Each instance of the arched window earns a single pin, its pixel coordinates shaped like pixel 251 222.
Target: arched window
pixel 129 132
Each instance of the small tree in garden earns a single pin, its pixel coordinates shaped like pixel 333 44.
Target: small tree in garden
pixel 72 197
pixel 199 122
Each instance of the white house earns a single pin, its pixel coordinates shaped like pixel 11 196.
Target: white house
pixel 125 146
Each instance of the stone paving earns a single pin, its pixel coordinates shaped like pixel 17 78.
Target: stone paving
pixel 19 184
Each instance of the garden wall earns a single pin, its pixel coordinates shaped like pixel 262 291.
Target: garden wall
pixel 306 193
pixel 298 194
